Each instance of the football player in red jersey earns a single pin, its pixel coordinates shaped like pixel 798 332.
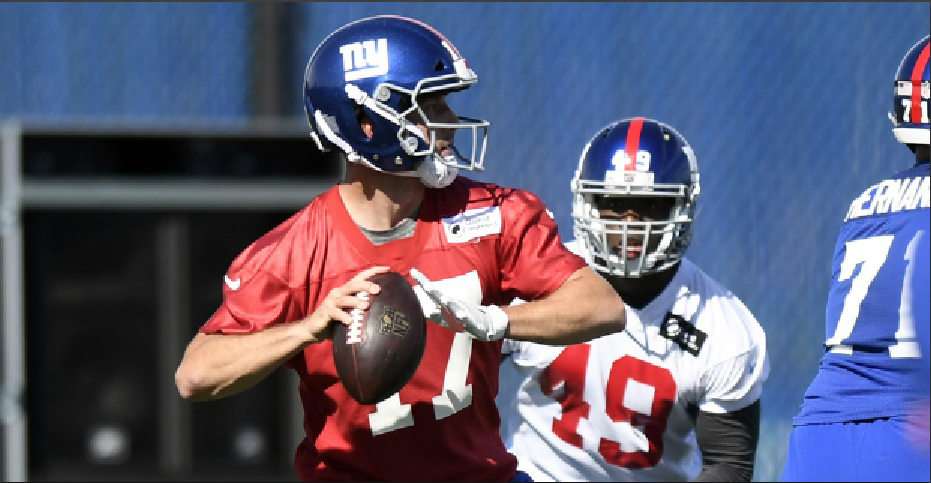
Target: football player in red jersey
pixel 376 90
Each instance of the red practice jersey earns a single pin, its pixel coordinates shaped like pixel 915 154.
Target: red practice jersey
pixel 477 241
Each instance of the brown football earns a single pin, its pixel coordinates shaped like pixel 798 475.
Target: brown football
pixel 379 352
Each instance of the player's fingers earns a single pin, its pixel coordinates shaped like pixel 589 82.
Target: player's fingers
pixel 427 286
pixel 431 294
pixel 420 278
pixel 427 303
pixel 341 308
pixel 349 302
pixel 360 282
pixel 338 305
pixel 442 299
pixel 368 272
pixel 449 322
pixel 340 315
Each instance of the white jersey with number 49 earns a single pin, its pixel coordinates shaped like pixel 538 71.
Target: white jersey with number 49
pixel 615 408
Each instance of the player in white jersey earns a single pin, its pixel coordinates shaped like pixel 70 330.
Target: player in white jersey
pixel 676 395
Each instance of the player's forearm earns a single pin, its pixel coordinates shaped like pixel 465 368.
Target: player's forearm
pixel 219 365
pixel 583 308
pixel 725 472
pixel 728 443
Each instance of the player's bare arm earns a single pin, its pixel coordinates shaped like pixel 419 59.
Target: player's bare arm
pixel 215 366
pixel 582 308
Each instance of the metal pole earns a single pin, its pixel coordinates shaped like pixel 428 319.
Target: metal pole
pixel 268 44
pixel 11 280
pixel 176 456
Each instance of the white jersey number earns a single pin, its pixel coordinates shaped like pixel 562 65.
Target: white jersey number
pixel 391 415
pixel 870 254
pixel 568 371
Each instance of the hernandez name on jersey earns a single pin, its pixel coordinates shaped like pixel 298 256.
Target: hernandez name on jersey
pixel 619 403
pixel 870 347
pixel 480 241
pixel 894 195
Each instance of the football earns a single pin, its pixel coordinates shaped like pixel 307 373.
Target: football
pixel 379 352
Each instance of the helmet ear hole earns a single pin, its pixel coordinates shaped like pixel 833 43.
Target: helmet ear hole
pixel 440 66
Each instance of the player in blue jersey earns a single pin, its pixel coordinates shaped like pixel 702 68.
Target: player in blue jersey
pixel 854 421
pixel 920 432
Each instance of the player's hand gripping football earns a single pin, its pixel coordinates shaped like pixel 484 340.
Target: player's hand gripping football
pixel 483 322
pixel 339 303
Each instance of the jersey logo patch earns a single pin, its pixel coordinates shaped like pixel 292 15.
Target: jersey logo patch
pixel 683 333
pixel 472 224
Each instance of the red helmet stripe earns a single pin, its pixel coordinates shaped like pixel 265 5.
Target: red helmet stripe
pixel 920 66
pixel 431 29
pixel 633 143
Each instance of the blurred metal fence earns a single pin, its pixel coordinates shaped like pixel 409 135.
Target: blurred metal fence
pixel 784 103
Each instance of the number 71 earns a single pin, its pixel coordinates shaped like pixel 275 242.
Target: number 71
pixel 871 253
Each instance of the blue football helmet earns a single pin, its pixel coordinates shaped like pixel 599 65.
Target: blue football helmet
pixel 911 96
pixel 635 157
pixel 380 66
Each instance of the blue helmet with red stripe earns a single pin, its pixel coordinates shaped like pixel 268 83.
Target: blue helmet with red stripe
pixel 635 158
pixel 380 67
pixel 911 96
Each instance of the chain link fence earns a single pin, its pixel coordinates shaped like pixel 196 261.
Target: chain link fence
pixel 784 103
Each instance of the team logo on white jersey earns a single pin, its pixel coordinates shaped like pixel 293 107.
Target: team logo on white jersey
pixel 362 60
pixel 683 333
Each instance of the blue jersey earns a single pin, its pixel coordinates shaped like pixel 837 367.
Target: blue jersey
pixel 871 352
pixel 921 308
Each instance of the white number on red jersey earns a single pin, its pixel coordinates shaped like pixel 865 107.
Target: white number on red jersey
pixel 391 415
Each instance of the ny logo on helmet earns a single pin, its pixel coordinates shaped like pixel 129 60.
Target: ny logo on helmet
pixel 362 60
